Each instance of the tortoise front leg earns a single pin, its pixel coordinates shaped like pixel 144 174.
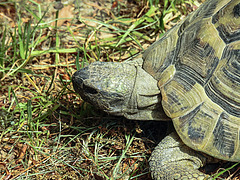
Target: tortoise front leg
pixel 172 159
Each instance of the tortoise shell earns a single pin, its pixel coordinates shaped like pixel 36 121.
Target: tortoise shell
pixel 197 65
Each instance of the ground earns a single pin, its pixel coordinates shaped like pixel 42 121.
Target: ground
pixel 47 130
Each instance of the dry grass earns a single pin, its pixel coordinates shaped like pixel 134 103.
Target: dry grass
pixel 47 131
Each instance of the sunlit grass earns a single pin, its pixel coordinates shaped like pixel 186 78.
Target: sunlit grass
pixel 46 129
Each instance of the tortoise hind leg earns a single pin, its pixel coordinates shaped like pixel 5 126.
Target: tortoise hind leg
pixel 172 159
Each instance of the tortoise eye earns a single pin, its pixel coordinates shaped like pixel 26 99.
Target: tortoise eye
pixel 89 90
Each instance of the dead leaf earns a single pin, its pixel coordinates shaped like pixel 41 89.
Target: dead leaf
pixel 65 14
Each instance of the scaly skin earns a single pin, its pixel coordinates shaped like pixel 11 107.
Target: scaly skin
pixel 122 89
pixel 173 160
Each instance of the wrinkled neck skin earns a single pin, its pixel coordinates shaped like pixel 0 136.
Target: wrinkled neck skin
pixel 122 89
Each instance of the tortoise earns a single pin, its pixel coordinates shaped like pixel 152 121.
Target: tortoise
pixel 191 74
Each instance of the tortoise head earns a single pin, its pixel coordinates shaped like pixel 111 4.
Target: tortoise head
pixel 122 89
pixel 104 86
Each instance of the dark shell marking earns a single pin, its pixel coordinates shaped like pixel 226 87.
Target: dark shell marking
pixel 197 64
